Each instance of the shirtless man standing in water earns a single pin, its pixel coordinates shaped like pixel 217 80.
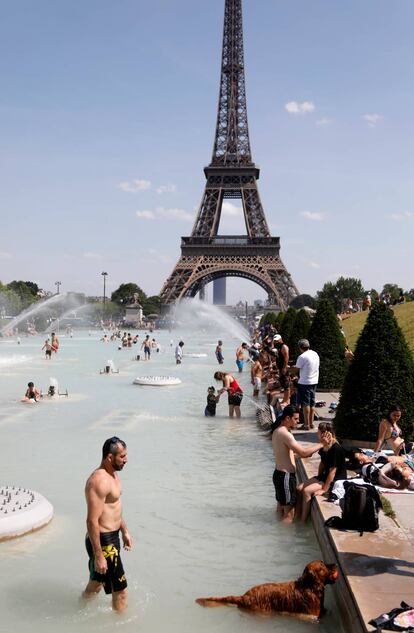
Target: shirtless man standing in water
pixel 285 447
pixel 104 521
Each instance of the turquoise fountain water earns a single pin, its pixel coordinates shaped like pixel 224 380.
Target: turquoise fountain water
pixel 198 495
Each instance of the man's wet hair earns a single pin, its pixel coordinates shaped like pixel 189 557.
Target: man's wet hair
pixel 289 411
pixel 110 446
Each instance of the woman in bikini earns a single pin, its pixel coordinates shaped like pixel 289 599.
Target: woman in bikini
pixel 390 433
pixel 235 393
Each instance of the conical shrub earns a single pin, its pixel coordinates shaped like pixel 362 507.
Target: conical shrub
pixel 286 326
pixel 301 327
pixel 380 375
pixel 279 320
pixel 268 317
pixel 326 338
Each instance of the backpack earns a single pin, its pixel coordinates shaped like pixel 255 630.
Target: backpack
pixel 361 504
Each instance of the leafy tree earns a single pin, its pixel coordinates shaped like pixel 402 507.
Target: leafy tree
pixel 344 288
pixel 303 300
pixel 34 288
pixel 380 375
pixel 151 305
pixel 393 290
pixel 26 290
pixel 125 294
pixel 374 294
pixel 300 330
pixel 10 302
pixel 286 326
pixel 327 340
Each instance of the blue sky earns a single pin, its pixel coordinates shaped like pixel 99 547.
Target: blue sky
pixel 107 118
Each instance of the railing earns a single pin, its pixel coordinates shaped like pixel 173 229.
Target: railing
pixel 230 240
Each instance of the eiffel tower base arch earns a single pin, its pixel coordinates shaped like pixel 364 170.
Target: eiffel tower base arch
pixel 192 273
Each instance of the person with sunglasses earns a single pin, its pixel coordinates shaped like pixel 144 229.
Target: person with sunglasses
pixel 104 522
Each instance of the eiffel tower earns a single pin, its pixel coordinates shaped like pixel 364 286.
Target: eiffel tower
pixel 232 174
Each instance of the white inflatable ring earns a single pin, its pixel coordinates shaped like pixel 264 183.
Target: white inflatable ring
pixel 157 381
pixel 22 511
pixel 195 355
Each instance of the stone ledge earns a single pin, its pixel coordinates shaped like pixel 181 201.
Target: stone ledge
pixel 377 569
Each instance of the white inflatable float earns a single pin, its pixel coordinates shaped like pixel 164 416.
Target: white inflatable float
pixel 195 355
pixel 157 381
pixel 22 511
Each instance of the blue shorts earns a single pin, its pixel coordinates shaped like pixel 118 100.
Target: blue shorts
pixel 306 395
pixel 240 364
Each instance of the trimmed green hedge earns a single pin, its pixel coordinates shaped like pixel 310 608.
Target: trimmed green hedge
pixel 380 375
pixel 326 338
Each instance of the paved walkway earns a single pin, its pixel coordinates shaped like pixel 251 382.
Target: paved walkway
pixel 377 568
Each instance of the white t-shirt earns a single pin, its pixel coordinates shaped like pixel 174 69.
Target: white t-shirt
pixel 308 364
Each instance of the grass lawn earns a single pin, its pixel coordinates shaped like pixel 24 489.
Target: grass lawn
pixel 405 316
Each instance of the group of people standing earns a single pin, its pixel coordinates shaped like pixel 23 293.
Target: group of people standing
pixel 272 371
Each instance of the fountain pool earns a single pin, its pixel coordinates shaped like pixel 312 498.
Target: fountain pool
pixel 198 493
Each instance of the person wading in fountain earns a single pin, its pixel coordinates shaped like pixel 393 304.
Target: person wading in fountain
pixel 234 391
pixel 54 343
pixel 240 356
pixel 285 447
pixel 104 521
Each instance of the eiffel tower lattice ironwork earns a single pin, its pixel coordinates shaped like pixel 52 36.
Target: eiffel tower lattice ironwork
pixel 232 174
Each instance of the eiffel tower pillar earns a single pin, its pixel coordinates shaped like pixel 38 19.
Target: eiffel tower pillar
pixel 232 174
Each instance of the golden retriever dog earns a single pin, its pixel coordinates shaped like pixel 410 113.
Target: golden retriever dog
pixel 302 597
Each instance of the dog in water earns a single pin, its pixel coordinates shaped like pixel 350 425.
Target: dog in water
pixel 302 597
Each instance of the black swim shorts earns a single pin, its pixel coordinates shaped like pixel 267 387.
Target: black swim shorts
pixel 285 487
pixel 235 399
pixel 114 579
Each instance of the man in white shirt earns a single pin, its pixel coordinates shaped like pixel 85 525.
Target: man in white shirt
pixel 307 364
pixel 179 352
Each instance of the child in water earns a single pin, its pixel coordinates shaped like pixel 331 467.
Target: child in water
pixel 32 393
pixel 212 399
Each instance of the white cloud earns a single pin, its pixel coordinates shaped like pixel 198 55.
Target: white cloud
pixel 4 255
pixel 133 186
pixel 146 215
pixel 90 255
pixel 310 215
pixel 401 216
pixel 231 209
pixel 372 119
pixel 294 107
pixel 166 189
pixel 314 265
pixel 175 214
pixel 169 214
pixel 323 122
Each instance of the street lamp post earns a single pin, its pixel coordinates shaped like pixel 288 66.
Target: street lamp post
pixel 58 285
pixel 104 275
